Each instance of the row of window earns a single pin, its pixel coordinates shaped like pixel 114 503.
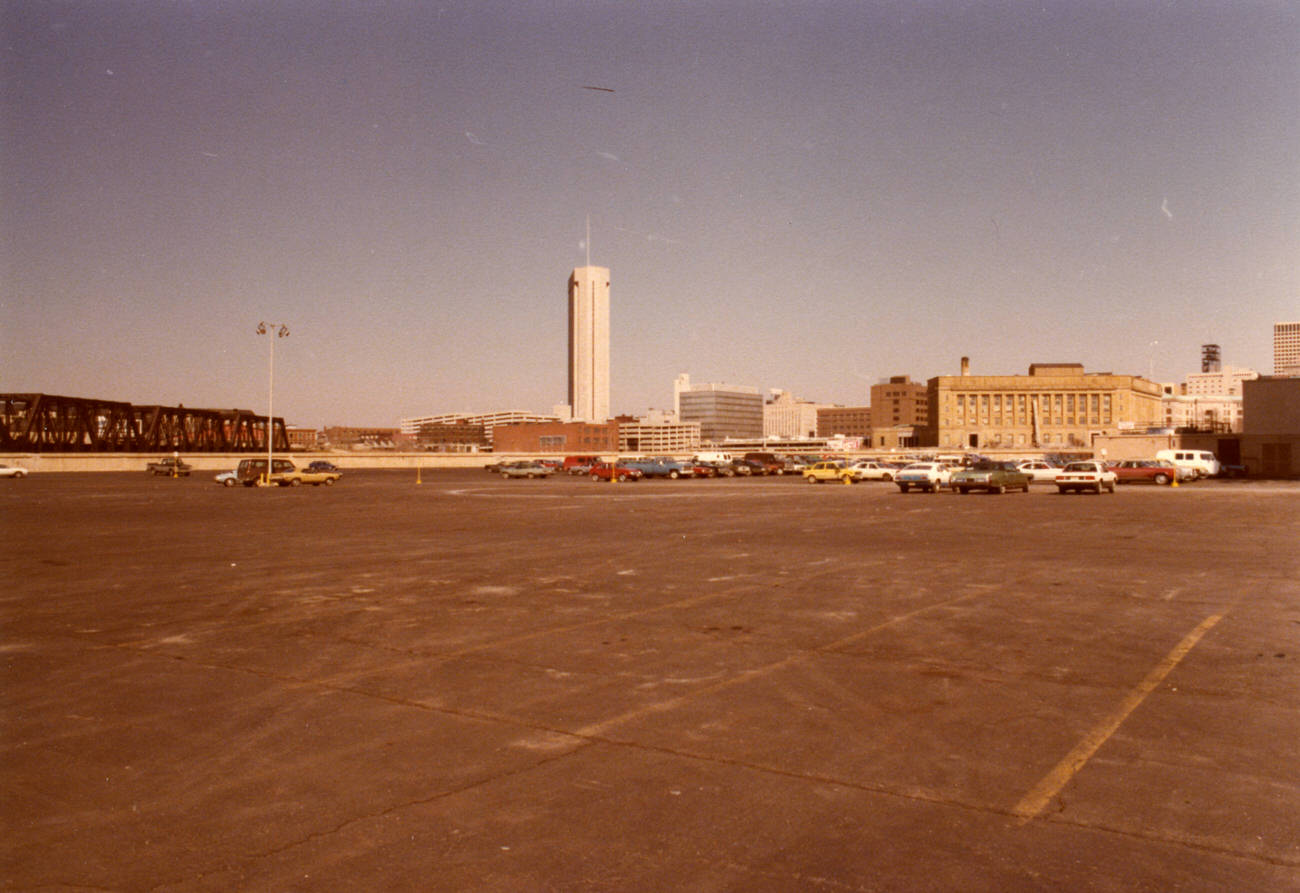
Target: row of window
pixel 1019 409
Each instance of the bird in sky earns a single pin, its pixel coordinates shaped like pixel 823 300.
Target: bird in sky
pixel 599 89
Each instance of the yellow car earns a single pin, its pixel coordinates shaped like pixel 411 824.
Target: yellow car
pixel 828 471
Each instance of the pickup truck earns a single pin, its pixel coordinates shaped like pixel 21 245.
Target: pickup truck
pixel 1094 476
pixel 170 467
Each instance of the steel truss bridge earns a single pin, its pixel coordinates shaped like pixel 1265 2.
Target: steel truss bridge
pixel 44 423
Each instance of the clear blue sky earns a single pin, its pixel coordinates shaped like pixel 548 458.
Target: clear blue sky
pixel 800 195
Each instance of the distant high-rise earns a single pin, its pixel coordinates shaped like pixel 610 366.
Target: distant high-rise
pixel 589 343
pixel 722 410
pixel 1286 348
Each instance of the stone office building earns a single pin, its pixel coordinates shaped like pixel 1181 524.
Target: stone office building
pixel 1055 406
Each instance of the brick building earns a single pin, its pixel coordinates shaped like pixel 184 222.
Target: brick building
pixel 555 437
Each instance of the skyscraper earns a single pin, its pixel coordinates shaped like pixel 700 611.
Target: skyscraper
pixel 589 343
pixel 1286 348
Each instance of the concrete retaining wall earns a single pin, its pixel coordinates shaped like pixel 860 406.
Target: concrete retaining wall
pixel 216 462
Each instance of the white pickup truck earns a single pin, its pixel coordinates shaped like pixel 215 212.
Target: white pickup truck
pixel 1094 476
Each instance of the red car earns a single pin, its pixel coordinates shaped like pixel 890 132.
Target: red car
pixel 601 472
pixel 1143 471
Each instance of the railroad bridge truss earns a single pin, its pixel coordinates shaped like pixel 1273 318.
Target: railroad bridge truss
pixel 44 423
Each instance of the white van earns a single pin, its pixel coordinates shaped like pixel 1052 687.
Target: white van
pixel 1202 464
pixel 724 458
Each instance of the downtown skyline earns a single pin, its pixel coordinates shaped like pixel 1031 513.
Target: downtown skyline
pixel 811 196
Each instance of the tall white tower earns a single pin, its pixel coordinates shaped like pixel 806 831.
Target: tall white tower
pixel 589 343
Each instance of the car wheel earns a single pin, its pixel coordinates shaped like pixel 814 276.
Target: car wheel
pixel 1025 488
pixel 1110 488
pixel 1062 490
pixel 1161 479
pixel 810 479
pixel 595 477
pixel 999 489
pixel 673 475
pixel 962 491
pixel 228 482
pixel 886 477
pixel 329 482
pixel 902 488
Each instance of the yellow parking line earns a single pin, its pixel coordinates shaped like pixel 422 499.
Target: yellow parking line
pixel 1034 802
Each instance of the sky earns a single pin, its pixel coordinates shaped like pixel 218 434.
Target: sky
pixel 802 195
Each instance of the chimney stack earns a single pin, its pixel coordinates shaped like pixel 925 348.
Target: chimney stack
pixel 965 366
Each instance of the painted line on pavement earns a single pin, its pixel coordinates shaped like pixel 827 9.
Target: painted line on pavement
pixel 1042 793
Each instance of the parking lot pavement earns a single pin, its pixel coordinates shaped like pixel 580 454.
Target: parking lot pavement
pixel 472 683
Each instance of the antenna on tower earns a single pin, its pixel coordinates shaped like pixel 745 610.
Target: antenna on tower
pixel 588 242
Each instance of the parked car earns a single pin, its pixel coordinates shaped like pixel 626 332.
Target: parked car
pixel 677 468
pixel 991 476
pixel 170 466
pixel 321 465
pixel 872 470
pixel 828 471
pixel 1202 463
pixel 797 464
pixel 296 477
pixel 526 470
pixel 252 471
pixel 703 470
pixel 1039 470
pixel 741 468
pixel 12 471
pixel 601 472
pixel 756 468
pixel 658 467
pixel 928 476
pixel 1094 476
pixel 771 464
pixel 579 464
pixel 227 478
pixel 1144 471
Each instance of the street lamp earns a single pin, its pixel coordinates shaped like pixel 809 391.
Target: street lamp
pixel 281 332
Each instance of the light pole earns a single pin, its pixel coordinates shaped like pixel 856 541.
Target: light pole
pixel 281 332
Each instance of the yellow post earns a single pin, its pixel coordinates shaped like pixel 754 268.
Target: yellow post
pixel 417 472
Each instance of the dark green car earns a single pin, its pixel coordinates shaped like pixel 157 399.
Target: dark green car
pixel 990 476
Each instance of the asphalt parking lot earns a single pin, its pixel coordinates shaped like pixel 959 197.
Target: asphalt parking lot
pixel 477 684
